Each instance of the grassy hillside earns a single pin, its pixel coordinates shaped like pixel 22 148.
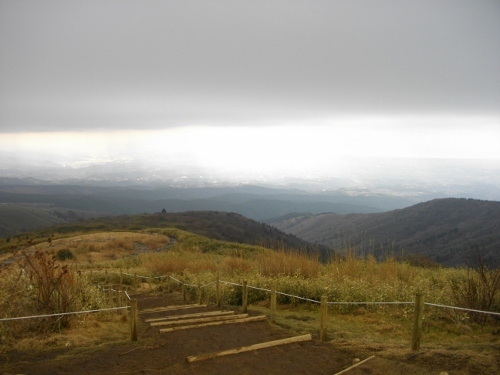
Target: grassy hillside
pixel 440 229
pixel 215 225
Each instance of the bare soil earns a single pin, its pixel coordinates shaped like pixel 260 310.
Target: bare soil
pixel 156 353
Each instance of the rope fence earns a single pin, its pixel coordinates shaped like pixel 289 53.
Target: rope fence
pixel 104 290
pixel 63 314
pixel 307 299
pixel 122 305
pixel 418 304
pixel 463 309
pixel 131 304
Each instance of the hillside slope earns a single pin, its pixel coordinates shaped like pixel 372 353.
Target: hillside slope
pixel 223 226
pixel 440 229
pixel 16 218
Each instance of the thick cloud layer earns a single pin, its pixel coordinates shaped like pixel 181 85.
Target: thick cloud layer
pixel 94 65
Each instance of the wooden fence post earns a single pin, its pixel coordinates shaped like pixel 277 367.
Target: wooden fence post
pixel 199 294
pixel 272 317
pixel 124 301
pixel 110 295
pixel 244 297
pixel 217 290
pixel 417 321
pixel 135 279
pixel 323 332
pixel 133 320
pixel 168 284
pixel 119 299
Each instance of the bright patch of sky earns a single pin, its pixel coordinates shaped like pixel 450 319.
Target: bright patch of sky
pixel 292 148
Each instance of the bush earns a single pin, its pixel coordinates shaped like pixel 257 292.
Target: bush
pixel 480 288
pixel 43 286
pixel 64 254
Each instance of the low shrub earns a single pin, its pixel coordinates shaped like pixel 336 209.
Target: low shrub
pixel 43 286
pixel 64 254
pixel 479 287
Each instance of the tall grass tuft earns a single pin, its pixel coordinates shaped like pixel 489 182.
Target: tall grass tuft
pixel 178 262
pixel 283 263
pixel 479 287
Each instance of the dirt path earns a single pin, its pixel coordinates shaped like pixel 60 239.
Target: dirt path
pixel 140 248
pixel 156 353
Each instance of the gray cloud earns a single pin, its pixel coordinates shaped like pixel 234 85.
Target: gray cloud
pixel 134 64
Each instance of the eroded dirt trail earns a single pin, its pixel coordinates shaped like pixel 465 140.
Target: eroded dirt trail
pixel 166 353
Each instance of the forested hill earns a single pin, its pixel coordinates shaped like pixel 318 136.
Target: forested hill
pixel 441 230
pixel 212 224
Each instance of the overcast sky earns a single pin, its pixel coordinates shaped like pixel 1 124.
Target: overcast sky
pixel 364 77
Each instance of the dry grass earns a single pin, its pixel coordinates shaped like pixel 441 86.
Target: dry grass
pixel 236 265
pixel 178 262
pixel 5 256
pixel 42 286
pixel 273 264
pixel 99 247
pixel 86 331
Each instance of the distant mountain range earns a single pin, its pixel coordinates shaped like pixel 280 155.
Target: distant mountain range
pixel 26 204
pixel 440 229
pixel 365 219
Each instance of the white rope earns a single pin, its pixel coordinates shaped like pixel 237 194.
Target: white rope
pixel 204 286
pixel 61 314
pixel 129 274
pixel 173 278
pixel 462 309
pixel 230 283
pixel 301 298
pixel 307 299
pixel 370 303
pixel 113 290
